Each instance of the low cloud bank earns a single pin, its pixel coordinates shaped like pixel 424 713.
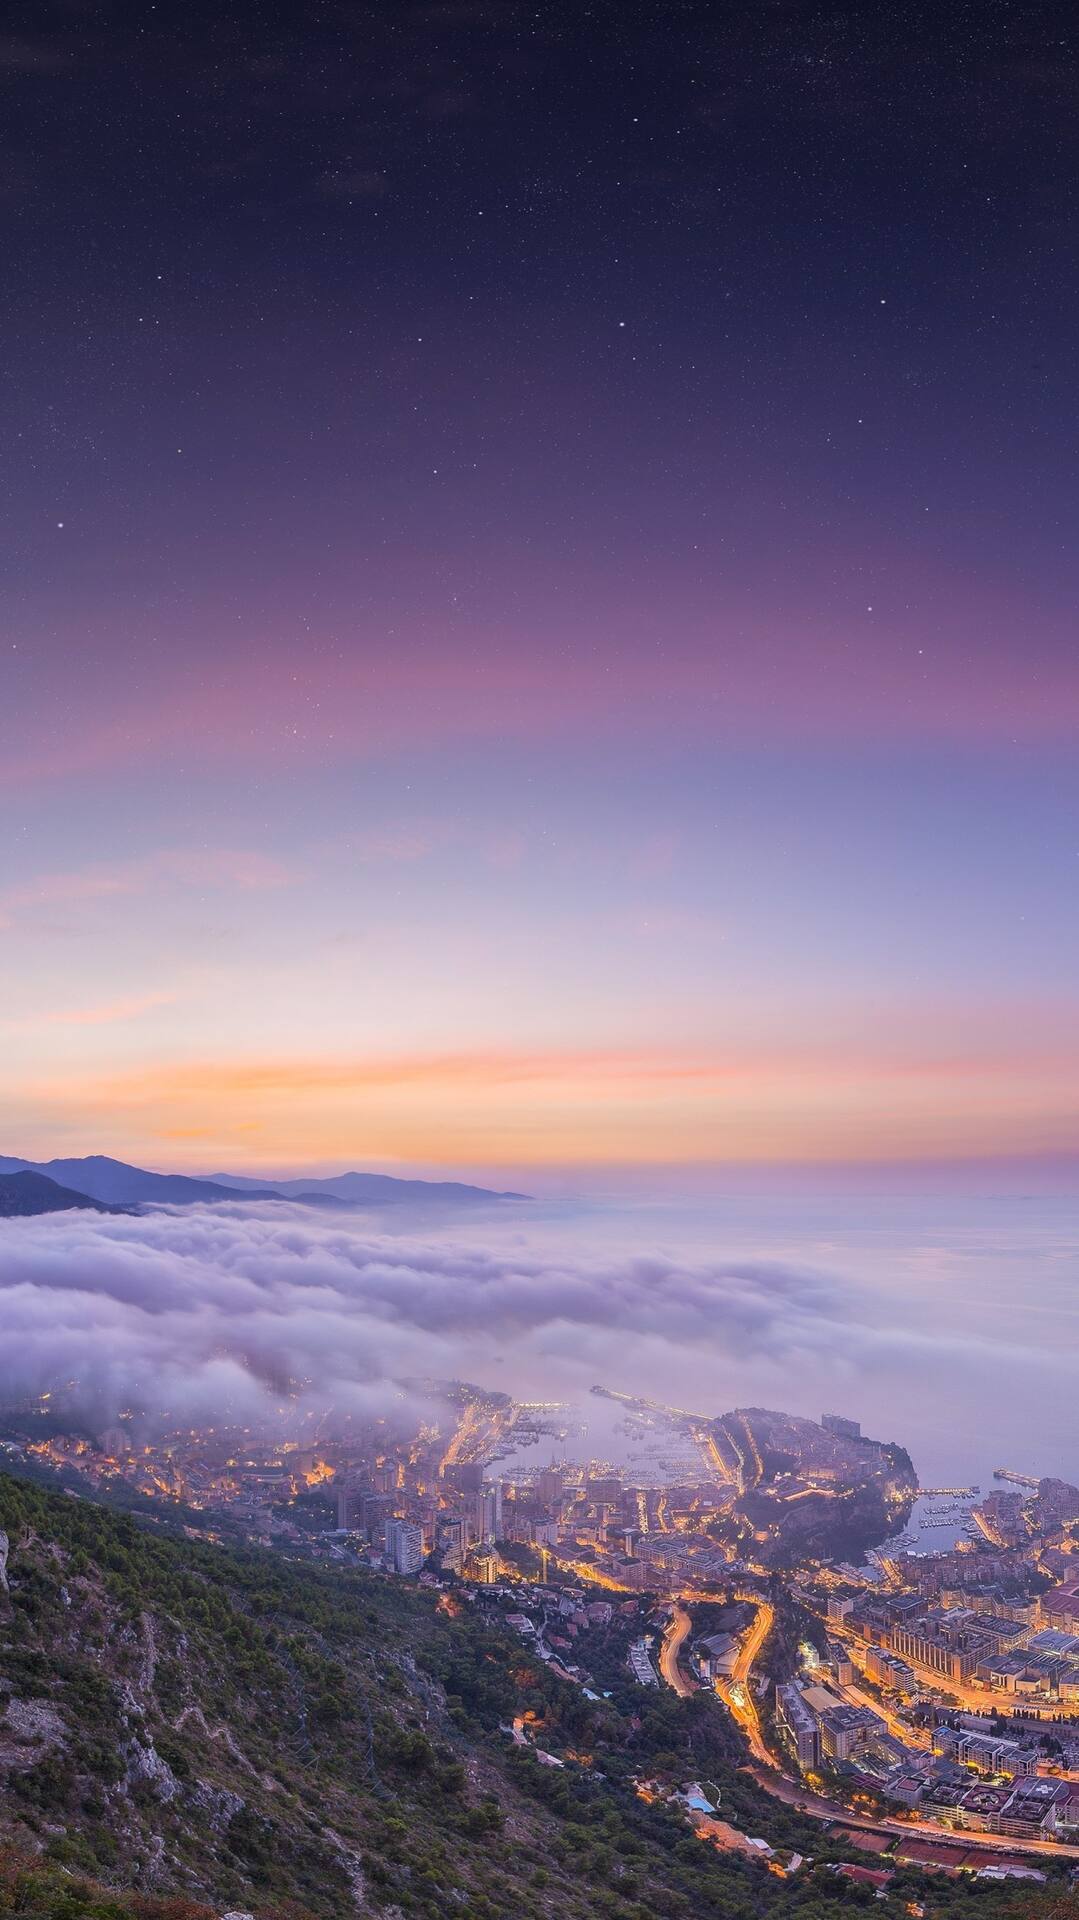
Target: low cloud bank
pixel 204 1311
pixel 194 1310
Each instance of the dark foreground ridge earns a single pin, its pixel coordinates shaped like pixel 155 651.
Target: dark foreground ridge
pixel 196 1730
pixel 24 1194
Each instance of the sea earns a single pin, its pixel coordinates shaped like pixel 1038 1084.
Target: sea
pixel 947 1323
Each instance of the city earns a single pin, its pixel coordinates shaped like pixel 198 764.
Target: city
pixel 923 1702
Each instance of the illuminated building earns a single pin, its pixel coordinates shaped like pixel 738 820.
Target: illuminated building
pixel 404 1546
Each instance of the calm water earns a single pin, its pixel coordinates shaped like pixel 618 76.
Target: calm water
pixel 950 1325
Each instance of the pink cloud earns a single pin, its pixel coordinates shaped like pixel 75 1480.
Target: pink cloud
pixel 189 867
pixel 106 1014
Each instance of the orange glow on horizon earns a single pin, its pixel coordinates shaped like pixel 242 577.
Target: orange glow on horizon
pixel 563 1108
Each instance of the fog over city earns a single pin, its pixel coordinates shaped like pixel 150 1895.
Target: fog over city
pixel 905 1316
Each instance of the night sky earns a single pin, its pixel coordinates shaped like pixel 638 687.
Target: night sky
pixel 538 575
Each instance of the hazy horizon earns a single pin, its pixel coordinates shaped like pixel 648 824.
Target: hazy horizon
pixel 899 1311
pixel 1050 1175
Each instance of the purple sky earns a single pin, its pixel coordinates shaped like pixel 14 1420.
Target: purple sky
pixel 539 598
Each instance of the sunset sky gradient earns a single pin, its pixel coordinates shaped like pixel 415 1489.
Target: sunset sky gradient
pixel 537 639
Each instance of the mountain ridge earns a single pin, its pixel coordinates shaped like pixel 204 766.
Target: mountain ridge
pixel 25 1194
pixel 116 1183
pixel 360 1188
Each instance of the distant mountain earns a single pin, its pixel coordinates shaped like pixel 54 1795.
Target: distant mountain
pixel 372 1190
pixel 330 1201
pixel 115 1184
pixel 24 1193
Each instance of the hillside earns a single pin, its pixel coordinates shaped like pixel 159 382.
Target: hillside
pixel 25 1194
pixel 286 1739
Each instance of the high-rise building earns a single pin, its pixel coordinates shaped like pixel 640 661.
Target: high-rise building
pixel 798 1725
pixel 374 1511
pixel 482 1515
pixel 353 1497
pixel 404 1546
pixel 544 1533
pixel 605 1492
pixel 550 1486
pixel 465 1476
pixel 840 1662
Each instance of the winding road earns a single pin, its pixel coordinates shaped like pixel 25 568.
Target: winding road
pixel 737 1692
pixel 674 1638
